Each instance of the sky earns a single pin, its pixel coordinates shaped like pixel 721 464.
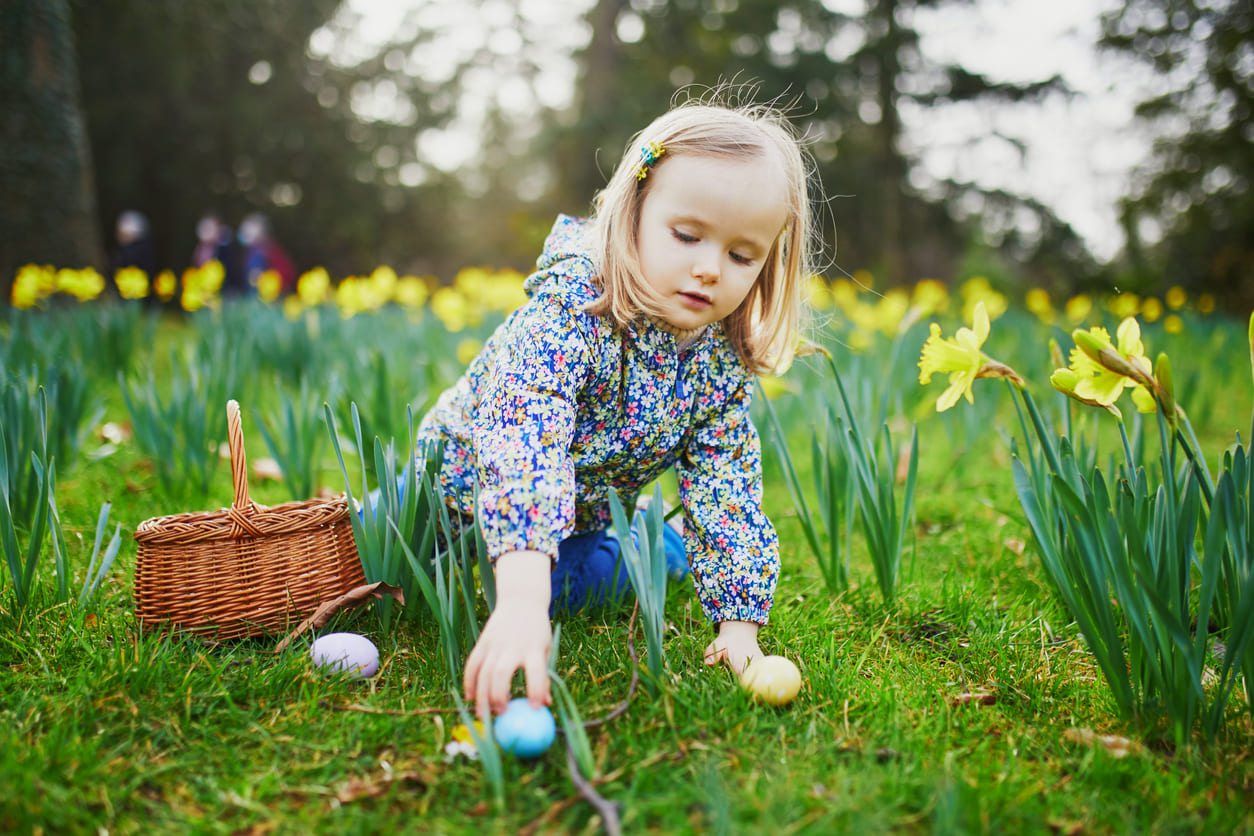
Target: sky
pixel 1079 152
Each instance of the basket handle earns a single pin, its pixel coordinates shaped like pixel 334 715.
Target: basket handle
pixel 239 461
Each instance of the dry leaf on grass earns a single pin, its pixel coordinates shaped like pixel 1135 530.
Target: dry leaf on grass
pixel 1118 747
pixel 355 597
pixel 359 788
pixel 115 433
pixel 973 698
pixel 267 468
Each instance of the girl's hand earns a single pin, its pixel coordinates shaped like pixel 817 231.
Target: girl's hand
pixel 517 635
pixel 736 644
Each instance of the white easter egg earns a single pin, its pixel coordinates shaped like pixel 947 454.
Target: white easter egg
pixel 772 679
pixel 346 653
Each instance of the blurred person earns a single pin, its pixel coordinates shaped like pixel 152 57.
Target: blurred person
pixel 135 247
pixel 215 241
pixel 262 252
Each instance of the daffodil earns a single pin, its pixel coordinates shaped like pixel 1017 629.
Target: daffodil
pixel 313 287
pixel 269 284
pixel 468 349
pixel 1078 308
pixel 463 742
pixel 132 283
pixel 961 358
pixel 1065 381
pixel 1103 369
pixel 166 284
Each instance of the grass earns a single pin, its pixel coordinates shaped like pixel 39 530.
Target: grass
pixel 105 728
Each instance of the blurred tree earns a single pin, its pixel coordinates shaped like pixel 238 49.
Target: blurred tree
pixel 220 105
pixel 1195 201
pixel 47 214
pixel 845 76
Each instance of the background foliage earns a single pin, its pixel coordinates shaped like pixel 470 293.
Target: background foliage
pixel 230 106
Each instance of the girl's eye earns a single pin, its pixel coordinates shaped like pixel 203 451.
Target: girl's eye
pixel 683 236
pixel 741 259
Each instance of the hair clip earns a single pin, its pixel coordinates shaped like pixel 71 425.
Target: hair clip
pixel 649 154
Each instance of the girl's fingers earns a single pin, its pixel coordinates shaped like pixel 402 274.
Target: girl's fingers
pixel 537 674
pixel 715 654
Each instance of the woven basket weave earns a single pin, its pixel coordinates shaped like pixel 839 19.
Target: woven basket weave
pixel 244 570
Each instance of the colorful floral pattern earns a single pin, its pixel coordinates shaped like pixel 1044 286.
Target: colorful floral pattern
pixel 560 406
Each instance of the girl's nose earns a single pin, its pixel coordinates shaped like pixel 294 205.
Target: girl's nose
pixel 705 267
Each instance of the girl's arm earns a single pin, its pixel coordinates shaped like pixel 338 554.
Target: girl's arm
pixel 732 547
pixel 517 635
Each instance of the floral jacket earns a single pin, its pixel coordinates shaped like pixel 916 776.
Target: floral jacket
pixel 560 406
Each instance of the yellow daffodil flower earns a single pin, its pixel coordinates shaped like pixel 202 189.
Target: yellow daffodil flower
pixel 1078 308
pixel 1065 381
pixel 269 284
pixel 166 285
pixel 132 283
pixel 960 357
pixel 1105 370
pixel 930 297
pixel 468 349
pixel 411 292
pixel 1124 305
pixel 313 287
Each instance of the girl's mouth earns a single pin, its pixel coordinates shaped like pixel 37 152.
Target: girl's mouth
pixel 695 301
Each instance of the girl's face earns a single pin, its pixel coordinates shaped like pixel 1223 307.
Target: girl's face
pixel 706 229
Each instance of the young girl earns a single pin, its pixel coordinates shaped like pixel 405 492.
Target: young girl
pixel 636 352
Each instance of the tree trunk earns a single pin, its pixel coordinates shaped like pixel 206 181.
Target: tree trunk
pixel 887 138
pixel 47 214
pixel 598 101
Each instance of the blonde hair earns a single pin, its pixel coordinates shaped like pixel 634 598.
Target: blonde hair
pixel 767 329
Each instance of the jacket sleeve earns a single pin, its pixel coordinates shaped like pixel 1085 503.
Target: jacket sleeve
pixel 732 547
pixel 523 430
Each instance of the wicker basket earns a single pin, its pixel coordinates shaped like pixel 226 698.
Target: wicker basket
pixel 244 570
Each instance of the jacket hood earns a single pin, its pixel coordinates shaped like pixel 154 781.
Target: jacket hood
pixel 568 251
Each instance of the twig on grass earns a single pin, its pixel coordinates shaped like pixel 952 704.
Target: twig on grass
pixel 607 809
pixel 566 803
pixel 622 707
pixel 366 709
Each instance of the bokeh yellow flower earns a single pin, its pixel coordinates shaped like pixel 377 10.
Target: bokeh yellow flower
pixel 411 292
pixel 1078 308
pixel 961 358
pixel 132 283
pixel 1173 324
pixel 818 293
pixel 468 349
pixel 1151 308
pixel 84 285
pixel 930 297
pixel 1124 305
pixel 450 308
pixel 269 284
pixel 32 285
pixel 1206 303
pixel 1176 298
pixel 166 285
pixel 977 290
pixel 1038 302
pixel 313 287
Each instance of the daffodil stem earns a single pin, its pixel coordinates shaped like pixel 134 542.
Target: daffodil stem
pixel 1038 423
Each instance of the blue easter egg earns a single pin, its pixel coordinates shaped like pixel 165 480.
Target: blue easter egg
pixel 525 731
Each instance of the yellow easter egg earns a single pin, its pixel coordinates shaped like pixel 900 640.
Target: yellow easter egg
pixel 772 679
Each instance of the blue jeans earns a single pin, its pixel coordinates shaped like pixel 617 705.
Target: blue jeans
pixel 589 569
